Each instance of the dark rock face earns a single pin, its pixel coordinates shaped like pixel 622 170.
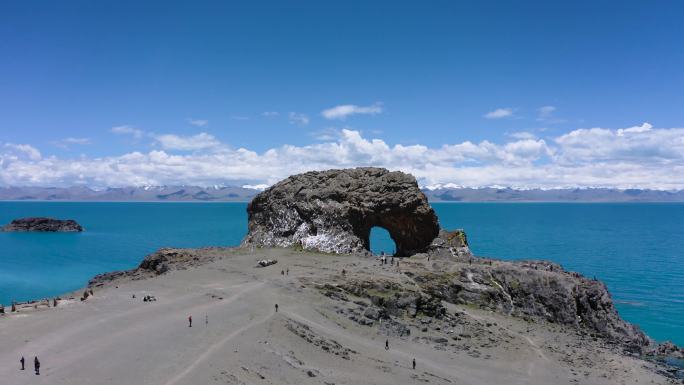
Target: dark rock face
pixel 334 211
pixel 43 224
pixel 536 290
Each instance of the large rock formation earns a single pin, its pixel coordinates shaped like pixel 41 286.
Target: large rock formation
pixel 334 211
pixel 43 225
pixel 535 290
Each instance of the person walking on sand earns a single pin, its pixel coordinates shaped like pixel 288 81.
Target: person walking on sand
pixel 22 362
pixel 276 307
pixel 206 319
pixel 386 344
pixel 190 321
pixel 36 365
pixel 414 364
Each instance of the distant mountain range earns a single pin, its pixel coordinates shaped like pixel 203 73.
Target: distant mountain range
pixel 244 194
pixel 130 194
pixel 460 194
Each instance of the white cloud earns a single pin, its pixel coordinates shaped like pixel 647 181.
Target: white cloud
pixel 200 141
pixel 270 114
pixel 636 129
pixel 343 111
pixel 499 113
pixel 238 117
pixel 81 141
pixel 198 122
pixel 640 144
pixel 545 112
pixel 522 135
pixel 260 187
pixel 128 130
pixel 66 142
pixel 20 151
pixel 634 157
pixel 299 119
pixel 326 134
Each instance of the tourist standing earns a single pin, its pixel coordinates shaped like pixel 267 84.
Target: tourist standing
pixel 190 321
pixel 36 365
pixel 414 364
pixel 22 362
pixel 276 307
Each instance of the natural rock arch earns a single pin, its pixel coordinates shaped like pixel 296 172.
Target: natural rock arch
pixel 380 241
pixel 334 211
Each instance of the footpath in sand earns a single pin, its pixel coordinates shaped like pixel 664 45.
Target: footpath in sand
pixel 314 338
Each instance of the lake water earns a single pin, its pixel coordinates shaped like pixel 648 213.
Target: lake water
pixel 637 249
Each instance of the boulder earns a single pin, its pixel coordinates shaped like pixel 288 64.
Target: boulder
pixel 668 349
pixel 266 262
pixel 450 245
pixel 334 211
pixel 374 313
pixel 41 224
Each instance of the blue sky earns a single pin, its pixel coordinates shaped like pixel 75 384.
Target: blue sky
pixel 91 91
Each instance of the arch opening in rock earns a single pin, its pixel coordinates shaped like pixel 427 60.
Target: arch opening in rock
pixel 380 241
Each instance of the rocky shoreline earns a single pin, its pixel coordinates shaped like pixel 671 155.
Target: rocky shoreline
pixel 445 300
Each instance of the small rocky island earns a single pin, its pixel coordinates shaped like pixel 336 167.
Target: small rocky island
pixel 42 224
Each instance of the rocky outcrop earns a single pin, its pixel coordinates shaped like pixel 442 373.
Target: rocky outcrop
pixel 41 224
pixel 161 262
pixel 334 211
pixel 668 349
pixel 536 290
pixel 450 245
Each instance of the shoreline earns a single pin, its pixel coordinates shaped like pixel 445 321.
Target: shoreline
pixel 319 315
pixel 75 294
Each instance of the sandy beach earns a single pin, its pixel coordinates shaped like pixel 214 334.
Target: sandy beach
pixel 237 337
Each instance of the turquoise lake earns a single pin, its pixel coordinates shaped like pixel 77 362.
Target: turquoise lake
pixel 637 249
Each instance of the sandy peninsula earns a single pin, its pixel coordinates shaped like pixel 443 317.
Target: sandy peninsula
pixel 320 335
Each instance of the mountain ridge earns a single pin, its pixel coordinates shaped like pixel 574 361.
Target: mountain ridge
pixel 245 194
